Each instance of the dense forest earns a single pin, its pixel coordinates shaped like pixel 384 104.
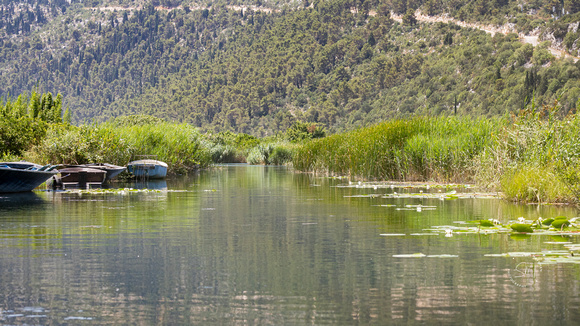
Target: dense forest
pixel 257 67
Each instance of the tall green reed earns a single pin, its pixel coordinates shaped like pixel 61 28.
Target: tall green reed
pixel 179 145
pixel 534 158
pixel 421 148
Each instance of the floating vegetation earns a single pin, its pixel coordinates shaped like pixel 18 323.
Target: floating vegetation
pixel 560 223
pixel 406 185
pixel 522 228
pixel 118 191
pixel 442 196
pixel 421 255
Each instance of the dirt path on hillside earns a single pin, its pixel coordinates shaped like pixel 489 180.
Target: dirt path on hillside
pixel 505 29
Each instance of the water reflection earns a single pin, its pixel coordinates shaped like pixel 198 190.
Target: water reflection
pixel 19 200
pixel 262 245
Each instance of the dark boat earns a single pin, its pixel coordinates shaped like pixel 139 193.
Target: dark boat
pixel 78 176
pixel 23 176
pixel 111 169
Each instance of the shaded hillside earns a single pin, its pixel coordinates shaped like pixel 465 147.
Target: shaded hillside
pixel 341 63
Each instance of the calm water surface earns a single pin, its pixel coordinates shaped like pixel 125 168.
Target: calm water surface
pixel 262 245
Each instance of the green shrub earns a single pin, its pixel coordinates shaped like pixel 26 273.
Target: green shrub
pixel 280 155
pixel 223 153
pixel 179 145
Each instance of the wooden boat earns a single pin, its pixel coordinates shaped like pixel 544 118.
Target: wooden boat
pixel 111 169
pixel 78 176
pixel 23 176
pixel 148 169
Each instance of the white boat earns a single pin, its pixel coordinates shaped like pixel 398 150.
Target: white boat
pixel 151 169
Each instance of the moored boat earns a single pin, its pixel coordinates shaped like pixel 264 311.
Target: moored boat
pixel 151 169
pixel 23 176
pixel 111 170
pixel 78 176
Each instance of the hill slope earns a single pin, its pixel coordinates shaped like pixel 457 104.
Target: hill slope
pixel 341 63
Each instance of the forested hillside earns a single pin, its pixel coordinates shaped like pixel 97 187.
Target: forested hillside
pixel 256 67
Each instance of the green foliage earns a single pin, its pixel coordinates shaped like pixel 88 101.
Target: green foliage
pixel 533 184
pixel 223 153
pixel 438 149
pixel 136 120
pixel 270 153
pixel 301 131
pixel 258 72
pixel 560 223
pixel 280 155
pixel 260 154
pixel 548 221
pixel 523 228
pixel 535 157
pixel 486 223
pixel 179 145
pixel 19 134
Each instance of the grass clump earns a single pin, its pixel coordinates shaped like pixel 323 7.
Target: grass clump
pixel 533 184
pixel 423 148
pixel 179 145
pixel 534 158
pixel 270 154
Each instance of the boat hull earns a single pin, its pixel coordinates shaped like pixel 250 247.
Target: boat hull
pixel 17 180
pixel 111 169
pixel 77 176
pixel 150 169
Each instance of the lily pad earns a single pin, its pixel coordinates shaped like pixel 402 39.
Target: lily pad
pixel 548 221
pixel 560 223
pixel 523 228
pixel 486 223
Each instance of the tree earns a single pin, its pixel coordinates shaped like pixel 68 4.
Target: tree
pixel 409 18
pixel 448 39
pixel 371 40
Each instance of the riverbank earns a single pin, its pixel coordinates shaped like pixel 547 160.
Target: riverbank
pixel 533 156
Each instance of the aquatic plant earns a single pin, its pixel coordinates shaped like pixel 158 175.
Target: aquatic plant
pixel 270 153
pixel 179 145
pixel 422 148
pixel 523 228
pixel 222 153
pixel 534 158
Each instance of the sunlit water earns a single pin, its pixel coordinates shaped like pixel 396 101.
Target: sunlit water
pixel 263 245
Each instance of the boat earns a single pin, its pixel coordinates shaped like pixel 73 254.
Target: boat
pixel 148 169
pixel 111 170
pixel 78 176
pixel 23 176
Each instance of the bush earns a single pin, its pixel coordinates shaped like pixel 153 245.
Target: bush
pixel 19 134
pixel 280 155
pixel 270 153
pixel 179 145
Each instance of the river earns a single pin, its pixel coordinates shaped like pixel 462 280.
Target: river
pixel 247 245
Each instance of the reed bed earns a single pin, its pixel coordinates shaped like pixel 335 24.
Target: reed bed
pixel 423 148
pixel 179 145
pixel 535 158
